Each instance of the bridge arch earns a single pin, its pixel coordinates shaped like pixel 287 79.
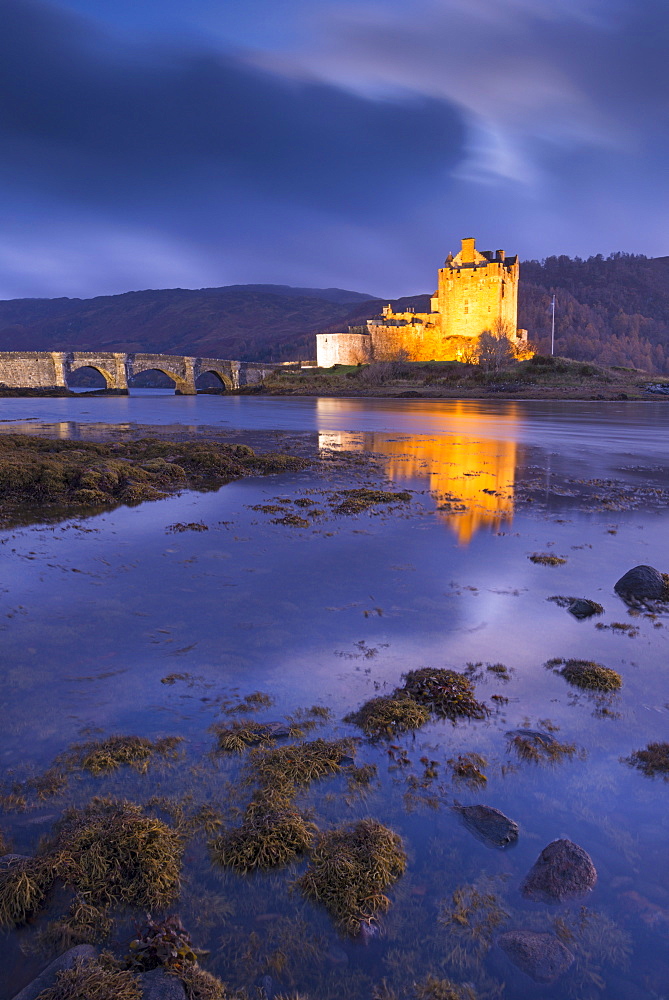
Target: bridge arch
pixel 222 376
pixel 180 383
pixel 108 376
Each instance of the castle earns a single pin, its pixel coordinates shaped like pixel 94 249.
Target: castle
pixel 476 292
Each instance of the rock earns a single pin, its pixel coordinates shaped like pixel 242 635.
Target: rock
pixel 581 607
pixel 160 985
pixel 563 870
pixel 9 860
pixel 489 825
pixel 540 956
pixel 47 978
pixel 642 583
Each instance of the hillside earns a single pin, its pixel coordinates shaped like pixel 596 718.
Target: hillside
pixel 248 322
pixel 612 310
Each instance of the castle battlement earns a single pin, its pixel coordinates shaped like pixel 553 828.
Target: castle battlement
pixel 477 291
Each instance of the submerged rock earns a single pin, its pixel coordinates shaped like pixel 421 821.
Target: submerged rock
pixel 642 583
pixel 562 871
pixel 489 825
pixel 160 985
pixel 582 607
pixel 540 956
pixel 47 978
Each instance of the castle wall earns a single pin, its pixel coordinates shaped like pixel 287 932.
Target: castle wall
pixel 478 298
pixel 343 349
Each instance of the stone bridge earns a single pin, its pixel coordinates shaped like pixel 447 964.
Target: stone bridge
pixel 49 369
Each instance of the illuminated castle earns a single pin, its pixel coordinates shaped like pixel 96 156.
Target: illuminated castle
pixel 476 292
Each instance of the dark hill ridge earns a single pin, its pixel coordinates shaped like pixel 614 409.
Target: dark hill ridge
pixel 613 310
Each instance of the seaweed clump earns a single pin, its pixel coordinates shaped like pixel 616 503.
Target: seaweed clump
pixel 110 852
pixel 445 692
pixel 164 944
pixel 270 836
pixel 349 870
pixel 359 500
pixel 432 988
pixel 389 715
pixel 202 985
pixel 587 674
pixel 546 559
pixel 283 769
pixel 245 733
pixel 273 832
pixel 651 761
pixel 100 756
pixel 537 747
pixel 24 883
pixel 94 979
pixel 35 470
pixel 467 768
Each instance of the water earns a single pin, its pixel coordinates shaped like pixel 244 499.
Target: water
pixel 96 611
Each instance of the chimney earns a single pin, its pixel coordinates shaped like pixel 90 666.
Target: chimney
pixel 500 255
pixel 467 252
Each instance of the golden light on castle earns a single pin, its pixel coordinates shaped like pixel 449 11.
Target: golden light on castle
pixel 476 292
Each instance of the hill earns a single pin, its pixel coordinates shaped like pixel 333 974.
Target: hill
pixel 247 322
pixel 613 310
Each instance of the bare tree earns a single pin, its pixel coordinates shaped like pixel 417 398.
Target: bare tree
pixel 495 347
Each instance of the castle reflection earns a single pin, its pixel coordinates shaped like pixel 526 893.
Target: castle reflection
pixel 470 474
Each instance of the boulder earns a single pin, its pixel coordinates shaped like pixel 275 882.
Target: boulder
pixel 489 825
pixel 562 871
pixel 47 978
pixel 643 583
pixel 160 985
pixel 540 956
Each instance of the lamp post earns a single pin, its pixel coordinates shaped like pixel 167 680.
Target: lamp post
pixel 553 325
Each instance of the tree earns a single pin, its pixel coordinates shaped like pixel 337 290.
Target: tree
pixel 495 349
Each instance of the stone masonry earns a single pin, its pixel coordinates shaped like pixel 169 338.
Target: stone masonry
pixel 49 369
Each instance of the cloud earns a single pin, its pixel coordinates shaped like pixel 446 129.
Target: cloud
pixel 111 125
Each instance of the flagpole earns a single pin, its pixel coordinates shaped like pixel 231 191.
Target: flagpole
pixel 553 327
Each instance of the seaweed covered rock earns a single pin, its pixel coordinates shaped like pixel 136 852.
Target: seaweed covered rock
pixel 388 715
pixel 91 978
pixel 642 583
pixel 239 736
pixel 587 674
pixel 268 837
pixel 349 871
pixel 47 978
pixel 540 956
pixel 579 607
pixel 447 693
pixel 562 871
pixel 110 852
pixel 490 825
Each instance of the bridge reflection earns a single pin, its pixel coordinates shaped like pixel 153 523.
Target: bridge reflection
pixel 470 474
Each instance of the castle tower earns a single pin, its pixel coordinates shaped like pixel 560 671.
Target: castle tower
pixel 477 292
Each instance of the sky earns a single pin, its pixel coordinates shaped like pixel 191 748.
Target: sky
pixel 194 143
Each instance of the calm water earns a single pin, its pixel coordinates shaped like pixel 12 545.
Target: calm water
pixel 95 611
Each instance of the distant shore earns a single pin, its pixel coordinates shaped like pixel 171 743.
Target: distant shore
pixel 536 379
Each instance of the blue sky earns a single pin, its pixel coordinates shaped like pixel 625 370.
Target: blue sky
pixel 164 143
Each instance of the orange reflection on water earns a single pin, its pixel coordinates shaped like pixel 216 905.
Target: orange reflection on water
pixel 462 465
